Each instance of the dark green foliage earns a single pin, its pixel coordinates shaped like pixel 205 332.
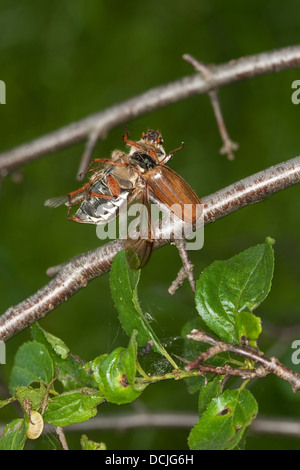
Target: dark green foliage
pixel 241 282
pixel 62 61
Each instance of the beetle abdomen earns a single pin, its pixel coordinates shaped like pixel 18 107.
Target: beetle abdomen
pixel 98 210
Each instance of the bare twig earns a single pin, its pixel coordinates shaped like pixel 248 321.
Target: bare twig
pixel 80 270
pixel 187 268
pixel 90 145
pixel 228 371
pixel 228 145
pixel 62 438
pixel 104 121
pixel 181 276
pixel 267 365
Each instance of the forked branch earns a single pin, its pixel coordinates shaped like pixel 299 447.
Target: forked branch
pixel 266 365
pixel 99 124
pixel 228 145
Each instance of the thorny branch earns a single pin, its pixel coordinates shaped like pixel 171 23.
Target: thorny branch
pixel 228 145
pixel 266 365
pixel 76 273
pixel 99 124
pixel 187 268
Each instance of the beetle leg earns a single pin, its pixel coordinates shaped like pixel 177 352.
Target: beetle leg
pixel 74 193
pixel 113 186
pixel 75 203
pixel 170 154
pixel 103 196
pixel 75 219
pixel 131 143
pixel 77 191
pixel 80 190
pixel 114 189
pixel 91 194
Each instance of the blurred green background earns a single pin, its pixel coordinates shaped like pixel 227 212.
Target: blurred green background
pixel 62 61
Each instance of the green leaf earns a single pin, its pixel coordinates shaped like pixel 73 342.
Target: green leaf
pixel 123 284
pixel 14 435
pixel 58 346
pixel 115 374
pixel 71 371
pixel 211 390
pixel 72 407
pixel 32 364
pixel 128 359
pixel 87 444
pixel 248 325
pixel 239 284
pixel 35 395
pixel 7 401
pixel 224 422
